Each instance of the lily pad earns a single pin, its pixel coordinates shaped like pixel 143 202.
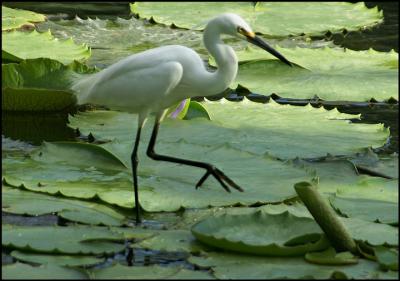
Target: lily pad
pixel 256 132
pixel 262 234
pixel 384 166
pixel 328 73
pixel 39 85
pixel 62 260
pixel 16 18
pixel 274 19
pixel 366 209
pixel 66 240
pixel 387 258
pixel 226 265
pixel 330 257
pixel 118 271
pixel 19 46
pixel 17 201
pixel 47 271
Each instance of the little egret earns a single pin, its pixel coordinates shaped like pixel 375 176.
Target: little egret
pixel 153 80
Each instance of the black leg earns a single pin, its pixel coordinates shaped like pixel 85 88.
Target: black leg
pixel 135 162
pixel 211 169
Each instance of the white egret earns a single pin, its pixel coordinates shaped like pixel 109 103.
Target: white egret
pixel 153 80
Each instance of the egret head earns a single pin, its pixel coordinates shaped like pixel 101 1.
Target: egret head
pixel 234 25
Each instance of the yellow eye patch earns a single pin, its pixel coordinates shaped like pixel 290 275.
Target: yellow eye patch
pixel 246 33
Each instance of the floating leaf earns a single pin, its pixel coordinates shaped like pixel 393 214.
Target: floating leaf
pixel 56 259
pixel 31 45
pixel 274 19
pixel 262 234
pixel 16 18
pixel 118 271
pixel 330 257
pixel 387 258
pixel 17 201
pixel 197 110
pixel 47 271
pixel 179 110
pixel 240 266
pixel 55 239
pixel 258 132
pixel 366 209
pixel 39 85
pixel 384 166
pixel 331 74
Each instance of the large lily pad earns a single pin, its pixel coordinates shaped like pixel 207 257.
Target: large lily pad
pixel 328 73
pixel 19 46
pixel 387 258
pixel 47 271
pixel 56 259
pixel 239 266
pixel 284 131
pixel 68 240
pixel 330 256
pixel 39 85
pixel 274 19
pixel 31 203
pixel 118 271
pixel 16 18
pixel 262 234
pixel 384 166
pixel 367 209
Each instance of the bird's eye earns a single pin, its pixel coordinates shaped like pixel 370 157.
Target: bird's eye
pixel 240 29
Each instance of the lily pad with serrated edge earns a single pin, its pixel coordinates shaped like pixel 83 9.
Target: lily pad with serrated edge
pixel 16 18
pixel 31 45
pixel 274 19
pixel 262 234
pixel 330 74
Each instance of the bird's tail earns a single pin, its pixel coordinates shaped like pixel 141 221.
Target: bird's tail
pixel 82 85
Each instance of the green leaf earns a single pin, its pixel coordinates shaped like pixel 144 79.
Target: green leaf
pixel 47 271
pixel 240 266
pixel 330 257
pixel 118 271
pixel 179 110
pixel 366 209
pixel 16 18
pixel 56 259
pixel 39 85
pixel 262 234
pixel 197 110
pixel 330 74
pixel 387 258
pixel 31 45
pixel 66 240
pixel 384 166
pixel 274 19
pixel 17 201
pixel 258 132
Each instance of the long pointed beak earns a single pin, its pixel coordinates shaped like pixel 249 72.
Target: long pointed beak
pixel 263 45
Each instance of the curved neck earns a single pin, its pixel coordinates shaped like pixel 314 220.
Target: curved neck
pixel 225 59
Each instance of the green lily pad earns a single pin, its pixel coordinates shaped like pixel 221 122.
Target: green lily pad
pixel 66 240
pixel 16 18
pixel 256 132
pixel 18 201
pixel 56 259
pixel 118 271
pixel 262 234
pixel 366 209
pixel 39 85
pixel 47 271
pixel 384 166
pixel 197 110
pixel 274 19
pixel 387 258
pixel 328 73
pixel 330 257
pixel 179 110
pixel 20 46
pixel 226 265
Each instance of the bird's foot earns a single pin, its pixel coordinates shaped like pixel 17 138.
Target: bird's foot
pixel 221 178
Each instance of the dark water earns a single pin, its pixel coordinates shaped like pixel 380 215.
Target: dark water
pixel 35 128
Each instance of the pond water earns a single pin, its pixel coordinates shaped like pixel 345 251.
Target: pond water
pixel 35 128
